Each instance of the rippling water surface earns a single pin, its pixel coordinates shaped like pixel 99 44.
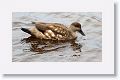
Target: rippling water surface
pixel 84 49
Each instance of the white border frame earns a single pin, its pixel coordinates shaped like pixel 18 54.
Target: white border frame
pixel 104 67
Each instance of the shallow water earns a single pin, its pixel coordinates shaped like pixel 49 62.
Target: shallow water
pixel 84 49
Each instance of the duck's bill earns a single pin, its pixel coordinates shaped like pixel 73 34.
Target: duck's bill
pixel 82 32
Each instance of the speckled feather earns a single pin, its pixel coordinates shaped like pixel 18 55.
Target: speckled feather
pixel 56 28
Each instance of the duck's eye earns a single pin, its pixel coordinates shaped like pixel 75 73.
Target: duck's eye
pixel 78 26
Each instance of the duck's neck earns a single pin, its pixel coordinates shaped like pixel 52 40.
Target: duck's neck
pixel 72 30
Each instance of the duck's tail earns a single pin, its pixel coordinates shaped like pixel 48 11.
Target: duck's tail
pixel 26 30
pixel 33 22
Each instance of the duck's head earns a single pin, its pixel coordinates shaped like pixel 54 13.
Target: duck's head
pixel 75 26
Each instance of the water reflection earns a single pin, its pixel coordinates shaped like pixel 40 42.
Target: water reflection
pixel 43 46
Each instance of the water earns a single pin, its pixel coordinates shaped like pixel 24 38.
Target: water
pixel 84 49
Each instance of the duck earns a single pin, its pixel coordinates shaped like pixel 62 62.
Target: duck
pixel 54 31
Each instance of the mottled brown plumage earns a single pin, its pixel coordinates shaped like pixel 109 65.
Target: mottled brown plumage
pixel 55 31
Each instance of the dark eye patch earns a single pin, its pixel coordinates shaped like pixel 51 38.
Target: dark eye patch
pixel 77 25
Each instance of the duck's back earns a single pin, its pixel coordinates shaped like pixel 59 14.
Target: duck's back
pixel 55 31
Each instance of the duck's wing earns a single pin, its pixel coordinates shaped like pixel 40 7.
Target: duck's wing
pixel 55 27
pixel 59 29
